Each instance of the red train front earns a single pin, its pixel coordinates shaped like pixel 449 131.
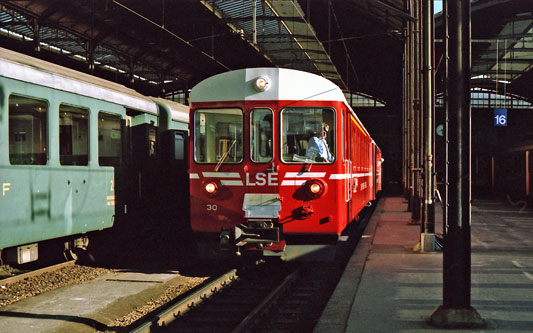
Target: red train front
pixel 279 163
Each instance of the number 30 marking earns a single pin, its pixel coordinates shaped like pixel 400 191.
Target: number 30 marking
pixel 212 207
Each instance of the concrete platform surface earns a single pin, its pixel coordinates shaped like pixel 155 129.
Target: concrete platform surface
pixel 86 307
pixel 387 287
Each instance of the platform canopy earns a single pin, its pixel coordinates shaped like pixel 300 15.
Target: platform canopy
pixel 163 47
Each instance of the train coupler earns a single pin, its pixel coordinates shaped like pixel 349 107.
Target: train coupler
pixel 261 233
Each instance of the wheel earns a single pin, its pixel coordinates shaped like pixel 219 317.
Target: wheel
pixel 76 249
pixel 68 251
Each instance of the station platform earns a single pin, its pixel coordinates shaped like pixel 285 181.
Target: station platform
pixel 90 306
pixel 389 287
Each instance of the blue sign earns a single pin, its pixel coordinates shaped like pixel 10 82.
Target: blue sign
pixel 500 117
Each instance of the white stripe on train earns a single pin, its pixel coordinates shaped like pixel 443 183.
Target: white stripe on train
pixel 287 181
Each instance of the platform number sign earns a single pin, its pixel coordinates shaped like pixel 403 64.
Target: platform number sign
pixel 500 117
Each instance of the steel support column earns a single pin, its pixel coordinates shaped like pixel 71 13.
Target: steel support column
pixel 414 114
pixel 427 239
pixel 405 112
pixel 446 118
pixel 456 310
pixel 417 117
pixel 405 118
pixel 36 35
pixel 91 46
pixel 410 111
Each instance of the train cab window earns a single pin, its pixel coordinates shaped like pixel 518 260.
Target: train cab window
pixel 218 136
pixel 28 132
pixel 109 139
pixel 73 135
pixel 261 135
pixel 308 135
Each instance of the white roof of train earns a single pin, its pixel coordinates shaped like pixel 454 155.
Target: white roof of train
pixel 21 67
pixel 284 84
pixel 180 112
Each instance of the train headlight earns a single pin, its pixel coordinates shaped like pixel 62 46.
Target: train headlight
pixel 211 187
pixel 262 83
pixel 315 188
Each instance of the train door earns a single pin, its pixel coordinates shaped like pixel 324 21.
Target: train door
pixel 350 164
pixel 374 171
pixel 172 184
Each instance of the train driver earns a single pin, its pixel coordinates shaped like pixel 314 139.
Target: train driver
pixel 317 147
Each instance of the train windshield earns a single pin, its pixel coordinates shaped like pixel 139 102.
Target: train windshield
pixel 261 135
pixel 308 135
pixel 218 135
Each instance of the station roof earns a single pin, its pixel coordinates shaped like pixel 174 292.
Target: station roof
pixel 165 46
pixel 502 46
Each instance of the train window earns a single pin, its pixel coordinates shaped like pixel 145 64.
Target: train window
pixel 303 130
pixel 28 133
pixel 109 139
pixel 261 135
pixel 73 135
pixel 179 146
pixel 218 136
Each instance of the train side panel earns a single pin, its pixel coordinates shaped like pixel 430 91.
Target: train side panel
pixel 358 153
pixel 43 197
pixel 54 203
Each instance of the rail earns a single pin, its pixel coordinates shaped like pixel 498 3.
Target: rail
pixel 165 317
pixel 248 322
pixel 20 277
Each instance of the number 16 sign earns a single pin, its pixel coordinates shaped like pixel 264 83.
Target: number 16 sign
pixel 500 117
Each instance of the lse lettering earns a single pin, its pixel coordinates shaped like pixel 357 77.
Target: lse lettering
pixel 262 179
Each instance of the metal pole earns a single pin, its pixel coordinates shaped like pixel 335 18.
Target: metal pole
pixel 329 27
pixel 456 310
pixel 409 107
pixel 428 229
pixel 457 256
pixel 527 172
pixel 405 123
pixel 411 110
pixel 420 109
pixel 492 173
pixel 417 123
pixel 446 117
pixel 36 35
pixel 254 23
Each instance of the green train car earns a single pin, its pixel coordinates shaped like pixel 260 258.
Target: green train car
pixel 73 150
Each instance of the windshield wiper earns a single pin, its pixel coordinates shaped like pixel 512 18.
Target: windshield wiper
pixel 223 158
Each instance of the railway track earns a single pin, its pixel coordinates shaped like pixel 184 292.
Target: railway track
pixel 19 277
pixel 267 298
pixel 221 304
pixel 295 304
pixel 26 284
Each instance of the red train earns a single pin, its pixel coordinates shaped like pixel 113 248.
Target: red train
pixel 279 162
